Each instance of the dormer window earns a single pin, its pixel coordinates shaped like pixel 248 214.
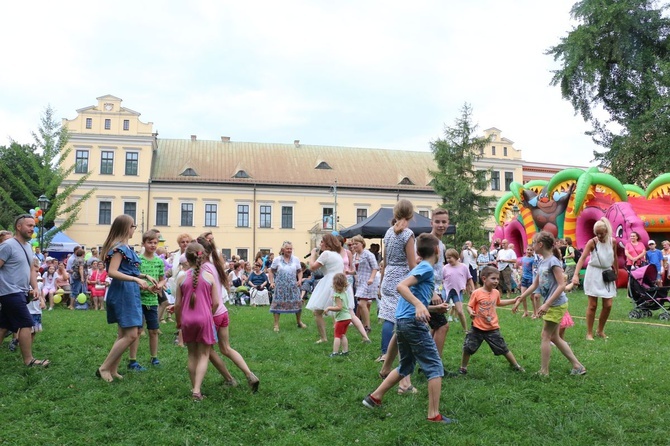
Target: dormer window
pixel 323 165
pixel 241 174
pixel 189 172
pixel 406 181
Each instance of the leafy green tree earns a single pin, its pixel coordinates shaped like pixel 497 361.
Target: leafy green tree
pixel 615 63
pixel 459 183
pixel 29 171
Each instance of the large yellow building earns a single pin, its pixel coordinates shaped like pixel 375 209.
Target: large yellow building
pixel 252 196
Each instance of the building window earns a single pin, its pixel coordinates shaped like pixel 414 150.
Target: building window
pixel 225 252
pixel 361 214
pixel 132 159
pixel 424 213
pixel 243 253
pixel 495 180
pixel 161 214
pixel 266 216
pixel 242 215
pixel 509 177
pixel 210 214
pixel 187 214
pixel 287 217
pixel 126 124
pixel 105 213
pixel 107 163
pixel 493 150
pixel 81 161
pixel 130 208
pixel 108 124
pixel 504 151
pixel 327 218
pixel 89 123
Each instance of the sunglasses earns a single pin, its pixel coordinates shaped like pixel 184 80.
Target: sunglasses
pixel 21 217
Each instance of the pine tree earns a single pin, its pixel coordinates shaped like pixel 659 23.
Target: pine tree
pixel 459 183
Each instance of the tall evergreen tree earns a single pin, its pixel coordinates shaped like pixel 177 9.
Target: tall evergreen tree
pixel 30 171
pixel 459 183
pixel 616 61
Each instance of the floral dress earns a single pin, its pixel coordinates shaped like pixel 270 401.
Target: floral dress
pixel 365 263
pixel 124 306
pixel 395 270
pixel 287 293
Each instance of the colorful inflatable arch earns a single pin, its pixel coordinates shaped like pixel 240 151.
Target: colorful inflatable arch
pixel 574 199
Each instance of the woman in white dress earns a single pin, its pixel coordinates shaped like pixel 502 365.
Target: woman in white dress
pixel 330 262
pixel 601 249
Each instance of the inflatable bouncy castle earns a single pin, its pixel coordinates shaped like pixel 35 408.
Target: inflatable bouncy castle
pixel 573 199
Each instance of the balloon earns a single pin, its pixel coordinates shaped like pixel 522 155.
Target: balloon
pixel 40 218
pixel 32 212
pixel 35 243
pixel 36 230
pixel 34 235
pixel 37 208
pixel 60 291
pixel 81 298
pixel 58 298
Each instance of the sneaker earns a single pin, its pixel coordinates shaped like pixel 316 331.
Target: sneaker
pixel 13 344
pixel 442 419
pixel 334 355
pixel 136 367
pixel 344 354
pixel 155 362
pixel 462 371
pixel 371 403
pixel 578 371
pixel 450 319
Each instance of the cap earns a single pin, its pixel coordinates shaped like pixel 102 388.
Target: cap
pixel 651 242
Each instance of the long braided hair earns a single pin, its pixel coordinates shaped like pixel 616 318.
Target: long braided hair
pixel 213 253
pixel 195 254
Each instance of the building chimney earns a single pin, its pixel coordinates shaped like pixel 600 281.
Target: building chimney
pixel 193 138
pixel 225 138
pixel 296 142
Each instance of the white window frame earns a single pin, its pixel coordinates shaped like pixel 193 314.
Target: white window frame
pixel 259 215
pixel 216 214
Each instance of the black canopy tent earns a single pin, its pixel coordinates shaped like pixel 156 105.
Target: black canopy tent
pixel 376 225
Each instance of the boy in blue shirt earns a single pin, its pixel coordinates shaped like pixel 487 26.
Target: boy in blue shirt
pixel 415 343
pixel 655 257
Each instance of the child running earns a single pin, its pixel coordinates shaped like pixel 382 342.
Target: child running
pixel 197 299
pixel 154 270
pixel 414 341
pixel 485 327
pixel 341 314
pixel 550 283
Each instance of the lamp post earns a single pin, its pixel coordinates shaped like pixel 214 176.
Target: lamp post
pixel 43 202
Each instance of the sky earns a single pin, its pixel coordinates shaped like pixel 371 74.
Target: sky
pixel 376 74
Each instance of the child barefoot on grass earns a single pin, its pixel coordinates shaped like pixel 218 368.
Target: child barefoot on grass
pixel 341 314
pixel 482 309
pixel 550 283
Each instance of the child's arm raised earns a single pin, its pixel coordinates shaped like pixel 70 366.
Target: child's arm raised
pixel 422 313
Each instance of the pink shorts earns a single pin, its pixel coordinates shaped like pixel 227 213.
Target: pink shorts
pixel 221 321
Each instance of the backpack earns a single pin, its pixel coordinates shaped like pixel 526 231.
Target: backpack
pixel 578 254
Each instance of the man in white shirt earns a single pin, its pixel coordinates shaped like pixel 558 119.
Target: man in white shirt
pixel 506 262
pixel 469 258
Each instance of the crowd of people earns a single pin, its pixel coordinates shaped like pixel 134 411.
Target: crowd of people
pixel 420 286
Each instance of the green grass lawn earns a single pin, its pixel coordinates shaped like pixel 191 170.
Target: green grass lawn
pixel 307 398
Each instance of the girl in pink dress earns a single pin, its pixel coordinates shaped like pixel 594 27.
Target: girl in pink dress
pixel 98 286
pixel 197 299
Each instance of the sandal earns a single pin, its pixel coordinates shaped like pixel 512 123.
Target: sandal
pixel 197 397
pixel 44 363
pixel 383 376
pixel 321 341
pixel 407 390
pixel 253 382
pixel 381 358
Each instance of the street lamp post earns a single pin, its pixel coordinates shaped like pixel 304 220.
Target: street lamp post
pixel 43 202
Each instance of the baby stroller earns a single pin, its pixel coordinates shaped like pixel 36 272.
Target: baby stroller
pixel 646 295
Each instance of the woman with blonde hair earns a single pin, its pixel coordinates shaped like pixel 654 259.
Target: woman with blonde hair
pixel 284 276
pixel 602 249
pixel 367 279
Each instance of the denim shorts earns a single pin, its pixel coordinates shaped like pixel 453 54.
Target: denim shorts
pixel 150 313
pixel 416 345
pixel 526 282
pixel 455 296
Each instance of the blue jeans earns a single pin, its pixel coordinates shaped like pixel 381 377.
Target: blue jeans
pixel 415 344
pixel 387 333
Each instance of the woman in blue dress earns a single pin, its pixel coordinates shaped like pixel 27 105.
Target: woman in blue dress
pixel 285 275
pixel 123 296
